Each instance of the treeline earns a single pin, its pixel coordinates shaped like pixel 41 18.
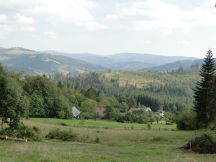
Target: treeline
pixel 33 96
pixel 168 91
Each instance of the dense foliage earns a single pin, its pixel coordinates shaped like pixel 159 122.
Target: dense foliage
pixel 13 101
pixel 168 91
pixel 204 104
pixel 186 120
pixel 35 96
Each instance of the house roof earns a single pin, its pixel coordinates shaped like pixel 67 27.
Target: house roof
pixel 100 110
pixel 132 109
pixel 75 111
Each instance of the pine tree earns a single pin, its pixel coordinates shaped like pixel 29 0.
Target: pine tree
pixel 203 92
pixel 213 106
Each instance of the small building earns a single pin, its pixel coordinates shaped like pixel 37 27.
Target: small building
pixel 161 113
pixel 147 109
pixel 101 111
pixel 75 112
pixel 132 109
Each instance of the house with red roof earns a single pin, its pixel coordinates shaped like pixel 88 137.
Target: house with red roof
pixel 132 109
pixel 101 111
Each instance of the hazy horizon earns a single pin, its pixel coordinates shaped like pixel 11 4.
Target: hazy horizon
pixel 97 54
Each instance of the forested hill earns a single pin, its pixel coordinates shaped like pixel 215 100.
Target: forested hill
pixel 186 65
pixel 32 62
pixel 169 90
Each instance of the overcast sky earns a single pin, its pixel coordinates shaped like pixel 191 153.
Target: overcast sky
pixel 164 27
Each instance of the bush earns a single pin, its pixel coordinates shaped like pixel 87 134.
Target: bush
pixel 201 144
pixel 97 140
pixel 61 135
pixel 64 124
pixel 212 126
pixel 186 120
pixel 86 116
pixel 24 132
pixel 158 139
pixel 149 126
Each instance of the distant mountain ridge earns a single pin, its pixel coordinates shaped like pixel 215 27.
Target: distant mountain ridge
pixel 126 61
pixel 33 62
pixel 38 63
pixel 187 65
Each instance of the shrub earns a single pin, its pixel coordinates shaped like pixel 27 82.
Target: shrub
pixel 97 140
pixel 186 120
pixel 212 126
pixel 149 126
pixel 201 144
pixel 158 139
pixel 63 124
pixel 61 135
pixel 30 133
pixel 87 116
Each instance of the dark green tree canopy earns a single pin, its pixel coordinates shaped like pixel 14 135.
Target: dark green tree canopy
pixel 203 92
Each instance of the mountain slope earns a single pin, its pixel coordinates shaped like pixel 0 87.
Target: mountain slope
pixel 37 63
pixel 125 61
pixel 188 65
pixel 49 62
pixel 149 58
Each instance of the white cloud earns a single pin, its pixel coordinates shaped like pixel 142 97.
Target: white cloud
pixel 163 16
pixel 147 42
pixel 13 23
pixel 77 12
pixel 28 28
pixel 51 35
pixel 3 18
pixel 209 3
pixel 92 25
pixel 24 19
pixel 183 42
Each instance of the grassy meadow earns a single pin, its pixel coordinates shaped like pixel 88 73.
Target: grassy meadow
pixel 117 142
pixel 105 124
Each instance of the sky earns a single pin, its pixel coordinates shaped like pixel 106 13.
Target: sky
pixel 163 27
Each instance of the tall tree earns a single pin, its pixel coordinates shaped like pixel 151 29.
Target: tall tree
pixel 213 106
pixel 203 92
pixel 13 102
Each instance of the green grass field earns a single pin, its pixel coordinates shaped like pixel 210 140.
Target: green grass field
pixel 105 124
pixel 119 142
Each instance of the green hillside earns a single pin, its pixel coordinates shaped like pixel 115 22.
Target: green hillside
pixel 169 89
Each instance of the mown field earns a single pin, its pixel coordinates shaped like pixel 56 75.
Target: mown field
pixel 117 142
